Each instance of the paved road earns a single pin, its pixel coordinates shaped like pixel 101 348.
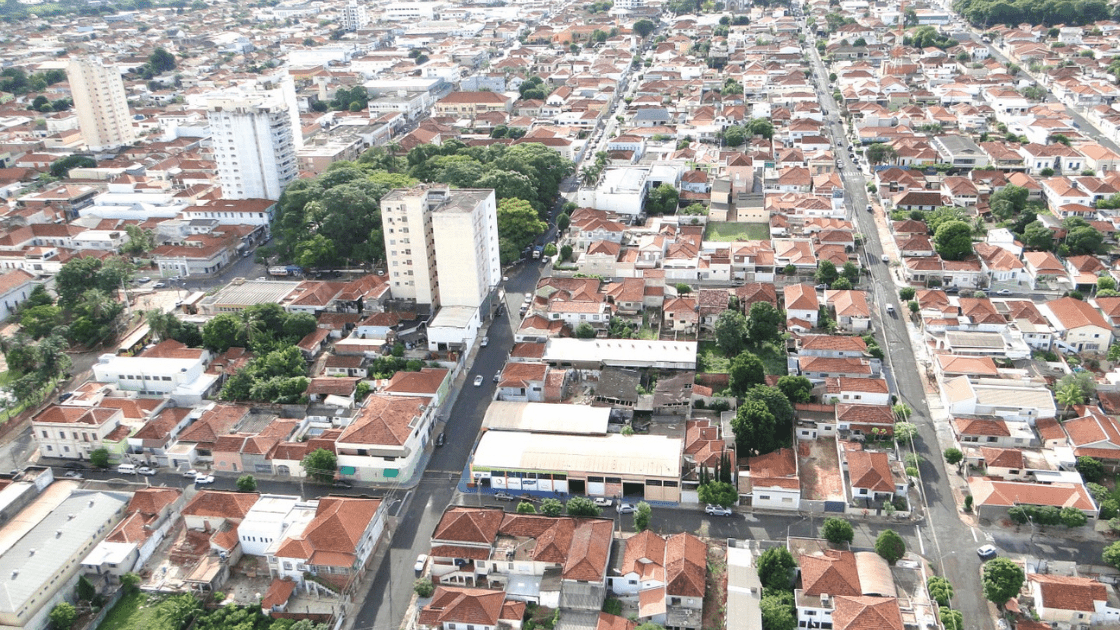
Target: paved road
pixel 947 541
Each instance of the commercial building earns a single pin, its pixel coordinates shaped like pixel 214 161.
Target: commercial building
pixel 99 100
pixel 254 144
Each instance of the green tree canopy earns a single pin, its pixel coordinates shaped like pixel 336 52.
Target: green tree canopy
pixel 764 323
pixel 837 530
pixel 582 506
pixel 518 227
pixel 731 332
pixel 718 493
pixel 662 200
pixel 953 240
pixel 320 464
pixel 775 569
pixel 1002 580
pixel 747 370
pixel 797 389
pixel 890 546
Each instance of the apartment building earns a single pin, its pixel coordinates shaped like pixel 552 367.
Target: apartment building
pixel 254 144
pixel 99 100
pixel 354 16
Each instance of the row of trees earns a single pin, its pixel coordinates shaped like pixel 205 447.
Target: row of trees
pixel 986 13
pixel 277 377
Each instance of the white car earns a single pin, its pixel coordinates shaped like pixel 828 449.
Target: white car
pixel 421 560
pixel 625 508
pixel 485 342
pixel 203 480
pixel 986 552
pixel 716 510
pixel 603 502
pixel 144 470
pixel 478 381
pixel 191 474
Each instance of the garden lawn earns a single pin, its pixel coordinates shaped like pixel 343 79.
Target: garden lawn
pixel 709 359
pixel 135 611
pixel 773 357
pixel 728 231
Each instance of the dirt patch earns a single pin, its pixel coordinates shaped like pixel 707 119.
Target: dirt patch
pixel 715 591
pixel 820 470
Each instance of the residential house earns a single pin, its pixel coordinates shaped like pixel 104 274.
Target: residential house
pixel 1079 327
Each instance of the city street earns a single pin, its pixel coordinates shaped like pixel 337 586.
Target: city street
pixel 943 533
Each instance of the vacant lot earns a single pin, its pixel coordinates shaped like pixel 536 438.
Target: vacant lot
pixel 135 611
pixel 710 360
pixel 725 231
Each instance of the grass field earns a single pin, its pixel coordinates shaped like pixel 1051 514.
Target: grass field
pixel 709 359
pixel 135 611
pixel 725 231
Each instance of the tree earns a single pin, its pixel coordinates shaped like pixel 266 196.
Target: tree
pixel 582 506
pixel 526 507
pixel 550 249
pixel 879 153
pixel 565 252
pixel 761 127
pixel 842 284
pixel 797 389
pixel 953 456
pixel 1084 240
pixel 130 582
pixel 551 507
pixel 940 590
pixel 518 226
pixel 161 61
pixel 562 222
pixel 1068 395
pixel 837 531
pixel 718 493
pixel 320 464
pixel 662 200
pixel 1038 237
pixel 39 321
pixel 734 136
pixel 953 240
pixel 764 323
pixel 140 241
pixel 61 167
pixel 642 513
pixel 747 370
pixel 1111 555
pixel 99 458
pixel 63 616
pixel 423 587
pixel 731 332
pixel 585 331
pixel 1002 580
pixel 1092 470
pixel 178 610
pixel 905 432
pixel 1072 517
pixel 777 611
pixel 79 275
pixel 1106 283
pixel 951 619
pixel 643 28
pixel 826 273
pixel 246 483
pixel 775 569
pixel 890 546
pixel 851 272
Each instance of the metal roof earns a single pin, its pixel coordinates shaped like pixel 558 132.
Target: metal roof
pixel 547 418
pixel 621 455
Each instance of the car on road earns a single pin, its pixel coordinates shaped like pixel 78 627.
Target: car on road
pixel 1003 292
pixel 625 508
pixel 145 470
pixel 890 310
pixel 342 483
pixel 986 552
pixel 190 474
pixel 503 496
pixel 72 474
pixel 602 501
pixel 716 510
pixel 144 280
pixel 203 480
pixel 74 465
pixel 498 376
pixel 421 560
pixel 528 297
pixel 821 287
pixel 159 285
pixel 439 439
pixel 485 341
pixel 478 381
pixel 885 258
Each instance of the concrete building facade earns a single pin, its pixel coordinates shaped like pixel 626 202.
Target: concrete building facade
pixel 100 102
pixel 254 144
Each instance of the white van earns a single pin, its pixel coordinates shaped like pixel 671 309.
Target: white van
pixel 126 469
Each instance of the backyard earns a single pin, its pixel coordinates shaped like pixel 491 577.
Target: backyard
pixel 727 231
pixel 136 611
pixel 710 360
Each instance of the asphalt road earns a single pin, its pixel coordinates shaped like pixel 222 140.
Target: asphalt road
pixel 945 539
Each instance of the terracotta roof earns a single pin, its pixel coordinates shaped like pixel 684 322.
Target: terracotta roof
pixel 848 343
pixel 801 297
pixel 385 420
pixel 686 562
pixel 981 426
pixel 866 613
pixel 608 621
pixel 1003 457
pixel 1062 592
pixel 56 414
pixel 870 470
pixel 1010 493
pixel 832 573
pixel 468 525
pixel 278 593
pixel 332 537
pixel 233 505
pixel 1073 313
pixel 459 605
pixel 171 349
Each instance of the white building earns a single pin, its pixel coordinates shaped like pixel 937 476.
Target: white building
pixel 442 244
pixel 269 519
pixel 354 16
pixel 99 99
pixel 411 11
pixel 254 144
pixel 620 190
pixel 169 368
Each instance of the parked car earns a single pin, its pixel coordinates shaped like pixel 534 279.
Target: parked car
pixel 159 285
pixel 342 483
pixel 74 465
pixel 439 439
pixel 986 552
pixel 503 496
pixel 421 560
pixel 498 376
pixel 485 342
pixel 1003 292
pixel 203 480
pixel 144 280
pixel 603 501
pixel 146 470
pixel 72 474
pixel 625 508
pixel 716 510
pixel 478 381
pixel 191 474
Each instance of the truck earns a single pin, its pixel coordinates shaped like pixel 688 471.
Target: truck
pixel 284 270
pixel 537 252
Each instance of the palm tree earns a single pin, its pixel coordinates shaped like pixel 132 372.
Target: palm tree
pixel 254 325
pixel 1069 395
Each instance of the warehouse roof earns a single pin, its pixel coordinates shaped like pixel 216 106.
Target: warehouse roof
pixel 546 418
pixel 615 454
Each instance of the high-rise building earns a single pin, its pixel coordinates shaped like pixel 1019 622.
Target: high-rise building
pixel 442 244
pixel 99 100
pixel 354 16
pixel 254 144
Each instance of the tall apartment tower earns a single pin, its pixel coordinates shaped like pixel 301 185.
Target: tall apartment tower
pixel 254 144
pixel 442 244
pixel 354 16
pixel 99 100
